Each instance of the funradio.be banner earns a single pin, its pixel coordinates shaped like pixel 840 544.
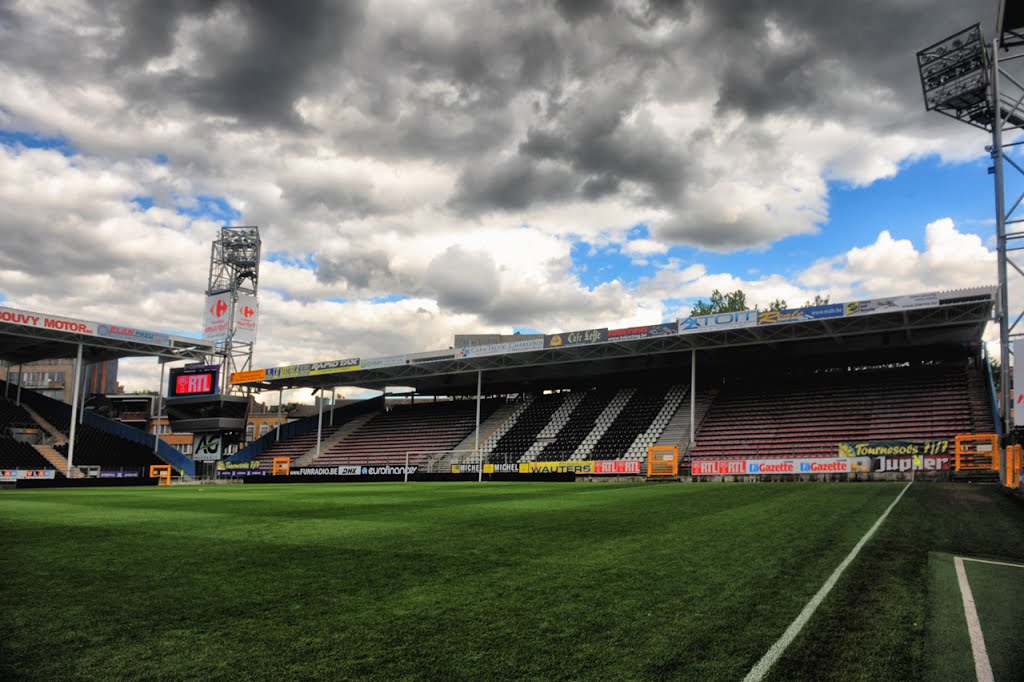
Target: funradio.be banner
pixel 648 332
pixel 883 305
pixel 573 467
pixel 344 470
pixel 894 448
pixel 763 467
pixel 579 338
pixel 811 312
pixel 718 321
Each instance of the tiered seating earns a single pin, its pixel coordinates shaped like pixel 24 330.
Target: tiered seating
pixel 13 415
pixel 809 416
pixel 580 423
pixel 517 440
pixel 294 447
pixel 424 428
pixel 635 418
pixel 58 414
pixel 98 448
pixel 17 455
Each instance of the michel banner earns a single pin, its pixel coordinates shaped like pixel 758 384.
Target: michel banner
pixel 488 468
pixel 717 322
pixel 764 467
pixel 578 338
pixel 894 448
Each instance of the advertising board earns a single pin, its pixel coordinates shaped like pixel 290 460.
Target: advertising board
pixel 573 467
pixel 247 313
pixel 717 322
pixel 40 321
pixel 617 466
pixel 811 312
pixel 248 376
pixel 1018 383
pixel 499 348
pixel 312 369
pixel 764 467
pixel 388 361
pixel 113 331
pixel 894 448
pixel 578 338
pixel 883 305
pixel 216 317
pixel 647 332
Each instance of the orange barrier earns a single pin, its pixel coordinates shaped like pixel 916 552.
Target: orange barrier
pixel 663 460
pixel 977 451
pixel 162 472
pixel 282 466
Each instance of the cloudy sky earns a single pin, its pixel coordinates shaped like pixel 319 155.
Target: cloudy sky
pixel 419 169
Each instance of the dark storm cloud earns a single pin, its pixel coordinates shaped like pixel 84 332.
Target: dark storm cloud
pixel 464 281
pixel 358 270
pixel 285 45
pixel 512 185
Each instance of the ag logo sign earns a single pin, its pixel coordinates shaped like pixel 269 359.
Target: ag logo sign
pixel 206 447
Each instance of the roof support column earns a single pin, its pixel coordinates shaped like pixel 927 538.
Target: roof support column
pixel 7 377
pixel 280 397
pixel 320 423
pixel 20 374
pixel 693 395
pixel 476 446
pixel 74 407
pixel 334 399
pixel 159 407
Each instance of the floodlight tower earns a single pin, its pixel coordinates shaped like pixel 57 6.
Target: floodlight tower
pixel 967 78
pixel 231 298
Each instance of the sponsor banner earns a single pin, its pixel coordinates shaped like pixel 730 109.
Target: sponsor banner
pixel 217 317
pixel 617 466
pixel 573 467
pixel 344 470
pixel 389 470
pixel 914 463
pixel 717 322
pixel 119 474
pixel 764 467
pixel 431 356
pixel 238 466
pixel 242 473
pixel 207 447
pixel 811 312
pixel 895 448
pixel 578 338
pixel 499 348
pixel 247 313
pixel 312 369
pixel 488 468
pixel 112 331
pixel 15 474
pixel 40 321
pixel 248 376
pixel 389 361
pixel 648 332
pixel 882 305
pixel 1018 382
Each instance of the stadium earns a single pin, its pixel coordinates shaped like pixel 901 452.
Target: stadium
pixel 826 491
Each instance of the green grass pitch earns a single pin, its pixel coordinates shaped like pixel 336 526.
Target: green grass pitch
pixel 466 581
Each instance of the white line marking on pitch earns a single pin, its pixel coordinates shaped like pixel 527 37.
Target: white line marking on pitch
pixel 988 561
pixel 762 667
pixel 982 666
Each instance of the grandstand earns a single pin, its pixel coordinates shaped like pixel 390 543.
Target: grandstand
pixel 793 384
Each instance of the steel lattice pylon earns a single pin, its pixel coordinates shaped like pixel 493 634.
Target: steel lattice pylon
pixel 234 270
pixel 969 79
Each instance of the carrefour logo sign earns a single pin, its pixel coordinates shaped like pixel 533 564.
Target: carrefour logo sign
pixel 732 320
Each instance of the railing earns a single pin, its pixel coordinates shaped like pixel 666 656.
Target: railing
pixel 992 392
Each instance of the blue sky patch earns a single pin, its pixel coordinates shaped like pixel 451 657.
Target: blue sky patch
pixel 15 138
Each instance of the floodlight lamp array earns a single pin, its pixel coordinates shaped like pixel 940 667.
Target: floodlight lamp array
pixel 955 77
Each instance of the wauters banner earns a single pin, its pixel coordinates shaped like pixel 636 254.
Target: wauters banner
pixel 578 338
pixel 573 467
pixel 894 448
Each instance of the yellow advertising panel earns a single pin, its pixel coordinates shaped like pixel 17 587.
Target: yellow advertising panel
pixel 250 375
pixel 573 467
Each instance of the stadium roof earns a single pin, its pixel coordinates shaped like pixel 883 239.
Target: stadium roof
pixel 27 336
pixel 874 328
